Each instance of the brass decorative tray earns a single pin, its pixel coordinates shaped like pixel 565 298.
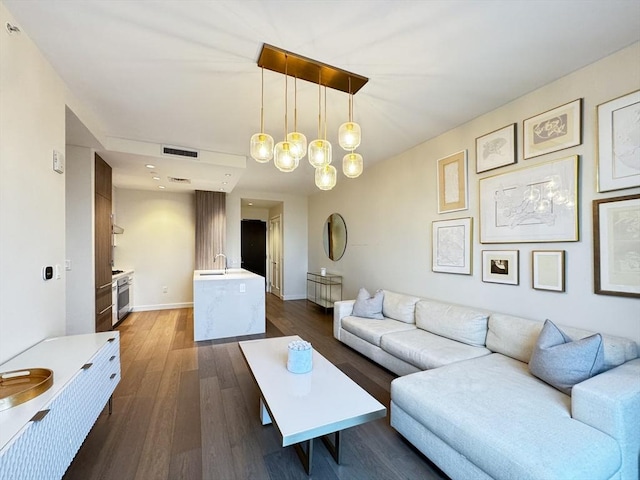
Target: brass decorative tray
pixel 19 386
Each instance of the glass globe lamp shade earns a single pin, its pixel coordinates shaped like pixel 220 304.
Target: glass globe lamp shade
pixel 349 135
pixel 352 165
pixel 326 177
pixel 284 158
pixel 320 153
pixel 298 144
pixel 262 147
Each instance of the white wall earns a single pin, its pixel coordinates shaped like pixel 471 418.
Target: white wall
pixel 390 208
pixel 294 221
pixel 159 244
pixel 80 240
pixel 32 198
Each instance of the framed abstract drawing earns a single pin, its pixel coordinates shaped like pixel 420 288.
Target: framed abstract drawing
pixel 616 246
pixel 533 204
pixel 500 266
pixel 451 246
pixel 554 130
pixel 452 183
pixel 619 143
pixel 547 270
pixel 496 149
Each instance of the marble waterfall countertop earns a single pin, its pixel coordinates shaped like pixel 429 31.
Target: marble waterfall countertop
pixel 230 304
pixel 231 274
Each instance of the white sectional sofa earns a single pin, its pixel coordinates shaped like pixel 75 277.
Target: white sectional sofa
pixel 467 400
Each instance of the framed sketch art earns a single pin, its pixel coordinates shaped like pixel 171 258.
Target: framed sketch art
pixel 554 130
pixel 616 246
pixel 496 149
pixel 619 143
pixel 451 246
pixel 533 204
pixel 547 270
pixel 500 266
pixel 452 183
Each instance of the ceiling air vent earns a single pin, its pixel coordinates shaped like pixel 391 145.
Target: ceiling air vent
pixel 179 152
pixel 179 180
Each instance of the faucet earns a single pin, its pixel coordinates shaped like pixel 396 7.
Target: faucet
pixel 225 260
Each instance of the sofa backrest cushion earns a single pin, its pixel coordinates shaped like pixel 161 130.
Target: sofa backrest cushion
pixel 456 322
pixel 399 306
pixel 368 306
pixel 516 338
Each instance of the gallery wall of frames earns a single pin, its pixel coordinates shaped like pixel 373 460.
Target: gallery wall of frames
pixel 538 203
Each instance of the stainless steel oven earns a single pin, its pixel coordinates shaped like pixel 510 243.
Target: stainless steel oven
pixel 124 297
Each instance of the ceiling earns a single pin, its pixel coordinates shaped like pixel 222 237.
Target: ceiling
pixel 183 73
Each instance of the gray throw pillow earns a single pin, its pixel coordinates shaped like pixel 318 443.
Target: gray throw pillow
pixel 563 362
pixel 367 306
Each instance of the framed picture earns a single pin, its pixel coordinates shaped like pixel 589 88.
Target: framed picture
pixel 547 267
pixel 619 143
pixel 616 246
pixel 554 130
pixel 533 204
pixel 452 183
pixel 451 245
pixel 496 149
pixel 500 266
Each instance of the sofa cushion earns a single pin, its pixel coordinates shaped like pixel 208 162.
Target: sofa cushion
pixel 373 330
pixel 399 306
pixel 368 306
pixel 561 362
pixel 426 350
pixel 459 323
pixel 506 421
pixel 516 337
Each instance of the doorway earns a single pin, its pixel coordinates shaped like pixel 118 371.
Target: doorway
pixel 275 255
pixel 253 246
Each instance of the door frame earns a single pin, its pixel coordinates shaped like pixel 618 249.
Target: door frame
pixel 274 241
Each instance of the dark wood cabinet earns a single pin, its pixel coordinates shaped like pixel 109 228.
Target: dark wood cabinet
pixel 102 227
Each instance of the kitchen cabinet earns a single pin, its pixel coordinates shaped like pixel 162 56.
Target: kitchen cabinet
pixel 102 226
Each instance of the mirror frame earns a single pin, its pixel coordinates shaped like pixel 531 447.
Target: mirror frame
pixel 334 252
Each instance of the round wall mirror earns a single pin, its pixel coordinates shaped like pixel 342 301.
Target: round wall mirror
pixel 334 236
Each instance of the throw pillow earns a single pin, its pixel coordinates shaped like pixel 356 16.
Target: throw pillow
pixel 562 362
pixel 367 306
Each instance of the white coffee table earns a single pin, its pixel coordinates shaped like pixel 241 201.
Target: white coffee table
pixel 309 405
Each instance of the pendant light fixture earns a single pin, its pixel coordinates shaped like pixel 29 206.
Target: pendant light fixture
pixel 284 157
pixel 349 132
pixel 297 140
pixel 352 165
pixel 320 149
pixel 261 146
pixel 326 177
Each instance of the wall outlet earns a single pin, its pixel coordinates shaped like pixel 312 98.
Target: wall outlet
pixel 165 289
pixel 243 287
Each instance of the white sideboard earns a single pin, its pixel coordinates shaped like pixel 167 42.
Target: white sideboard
pixel 40 438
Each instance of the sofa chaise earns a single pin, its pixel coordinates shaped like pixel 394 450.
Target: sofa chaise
pixel 466 398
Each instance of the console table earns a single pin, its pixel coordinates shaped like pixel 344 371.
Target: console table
pixel 324 290
pixel 39 438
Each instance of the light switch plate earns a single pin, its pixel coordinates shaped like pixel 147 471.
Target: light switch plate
pixel 58 161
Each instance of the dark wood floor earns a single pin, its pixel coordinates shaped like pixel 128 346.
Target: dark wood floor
pixel 189 410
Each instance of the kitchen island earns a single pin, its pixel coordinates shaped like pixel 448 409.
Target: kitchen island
pixel 227 304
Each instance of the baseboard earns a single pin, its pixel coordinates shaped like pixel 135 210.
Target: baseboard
pixel 294 297
pixel 162 306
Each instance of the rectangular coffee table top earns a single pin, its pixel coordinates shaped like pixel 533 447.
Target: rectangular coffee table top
pixel 308 405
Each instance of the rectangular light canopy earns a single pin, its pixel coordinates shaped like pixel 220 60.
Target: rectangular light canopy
pixel 273 58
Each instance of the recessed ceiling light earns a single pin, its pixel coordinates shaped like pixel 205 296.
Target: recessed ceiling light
pixel 148 165
pixel 161 186
pixel 250 204
pixel 224 183
pixel 227 174
pixel 156 178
